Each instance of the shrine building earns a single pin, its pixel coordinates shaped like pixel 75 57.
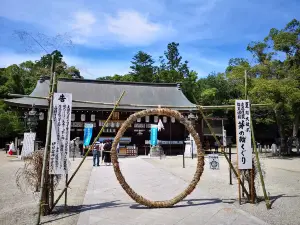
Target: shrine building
pixel 139 96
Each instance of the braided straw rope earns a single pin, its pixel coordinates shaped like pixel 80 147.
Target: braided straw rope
pixel 200 158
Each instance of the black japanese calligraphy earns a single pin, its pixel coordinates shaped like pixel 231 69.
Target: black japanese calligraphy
pixel 62 98
pixel 243 134
pixel 59 154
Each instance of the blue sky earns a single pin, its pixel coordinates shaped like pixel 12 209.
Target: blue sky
pixel 107 33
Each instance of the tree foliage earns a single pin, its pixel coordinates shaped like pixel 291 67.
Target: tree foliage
pixel 22 79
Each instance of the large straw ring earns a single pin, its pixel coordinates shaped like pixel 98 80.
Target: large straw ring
pixel 200 158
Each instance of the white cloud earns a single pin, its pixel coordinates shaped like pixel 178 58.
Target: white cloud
pixel 130 27
pixel 126 27
pixel 83 22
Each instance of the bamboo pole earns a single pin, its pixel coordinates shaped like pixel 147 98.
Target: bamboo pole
pixel 144 106
pixel 224 153
pixel 87 152
pixel 267 200
pixel 46 150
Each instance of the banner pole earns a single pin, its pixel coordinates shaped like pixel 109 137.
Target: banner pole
pixel 89 149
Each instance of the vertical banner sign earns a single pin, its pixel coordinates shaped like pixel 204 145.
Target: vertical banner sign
pixel 28 144
pixel 224 138
pixel 243 134
pixel 60 133
pixel 88 133
pixel 153 135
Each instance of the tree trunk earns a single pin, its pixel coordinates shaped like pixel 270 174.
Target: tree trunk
pixel 283 146
pixel 296 125
pixel 295 131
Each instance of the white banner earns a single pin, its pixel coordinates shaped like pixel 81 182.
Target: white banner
pixel 243 134
pixel 214 161
pixel 28 144
pixel 224 138
pixel 60 133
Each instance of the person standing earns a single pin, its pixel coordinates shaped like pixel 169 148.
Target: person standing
pixel 96 154
pixel 216 146
pixel 101 151
pixel 11 148
pixel 107 149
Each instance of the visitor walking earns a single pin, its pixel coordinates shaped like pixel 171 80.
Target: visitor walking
pixel 96 154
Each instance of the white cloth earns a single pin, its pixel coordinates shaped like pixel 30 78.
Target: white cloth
pixel 101 146
pixel 160 125
pixel 12 147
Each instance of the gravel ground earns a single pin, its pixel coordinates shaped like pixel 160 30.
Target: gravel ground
pixel 282 181
pixel 17 207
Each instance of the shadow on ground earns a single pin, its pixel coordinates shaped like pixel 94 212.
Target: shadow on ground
pixel 275 197
pixel 188 203
pixel 60 213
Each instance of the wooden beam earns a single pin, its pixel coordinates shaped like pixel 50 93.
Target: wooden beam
pixel 195 107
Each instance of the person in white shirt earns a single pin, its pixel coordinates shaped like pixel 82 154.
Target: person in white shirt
pixel 11 148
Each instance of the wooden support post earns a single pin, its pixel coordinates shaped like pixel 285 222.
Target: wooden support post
pixel 89 149
pixel 230 171
pixel 252 186
pixel 66 193
pixel 239 187
pixel 243 179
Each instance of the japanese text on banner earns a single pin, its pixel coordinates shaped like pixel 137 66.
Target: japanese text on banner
pixel 243 134
pixel 60 133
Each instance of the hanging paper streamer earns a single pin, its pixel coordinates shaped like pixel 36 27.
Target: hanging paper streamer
pixel 88 133
pixel 153 135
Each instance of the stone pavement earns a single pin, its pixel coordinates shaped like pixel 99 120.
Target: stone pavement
pixel 107 203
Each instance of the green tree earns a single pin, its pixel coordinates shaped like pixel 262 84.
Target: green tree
pixel 10 124
pixel 172 69
pixel 116 77
pixel 142 67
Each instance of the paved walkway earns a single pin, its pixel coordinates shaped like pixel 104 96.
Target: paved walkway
pixel 107 203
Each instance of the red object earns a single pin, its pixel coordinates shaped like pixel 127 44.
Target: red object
pixel 10 152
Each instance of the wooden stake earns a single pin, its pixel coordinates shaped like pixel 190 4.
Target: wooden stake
pixel 66 192
pixel 252 186
pixel 239 187
pixel 87 152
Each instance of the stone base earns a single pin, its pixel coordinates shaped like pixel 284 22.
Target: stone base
pixel 156 152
